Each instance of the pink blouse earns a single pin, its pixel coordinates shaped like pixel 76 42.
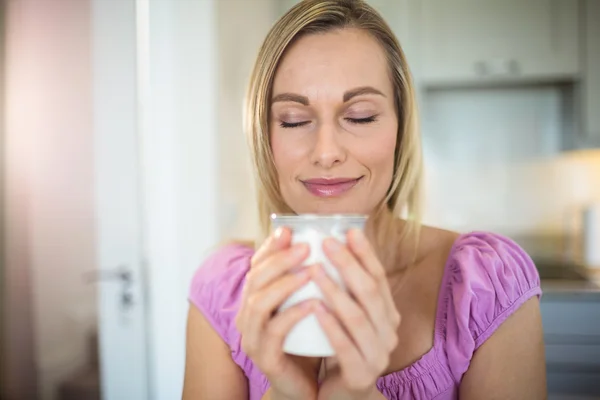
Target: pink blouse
pixel 487 277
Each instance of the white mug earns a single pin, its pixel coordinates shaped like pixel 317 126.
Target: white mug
pixel 307 338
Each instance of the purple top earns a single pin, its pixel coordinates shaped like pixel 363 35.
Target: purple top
pixel 486 278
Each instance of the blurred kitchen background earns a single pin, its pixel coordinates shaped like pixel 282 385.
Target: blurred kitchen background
pixel 124 163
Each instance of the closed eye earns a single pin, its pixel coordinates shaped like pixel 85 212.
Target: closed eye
pixel 367 120
pixel 284 124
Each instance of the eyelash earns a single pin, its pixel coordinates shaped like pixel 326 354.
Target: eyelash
pixel 357 121
pixel 293 124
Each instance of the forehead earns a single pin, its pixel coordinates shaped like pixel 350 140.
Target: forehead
pixel 333 62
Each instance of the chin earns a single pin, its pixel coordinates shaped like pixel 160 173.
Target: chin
pixel 330 206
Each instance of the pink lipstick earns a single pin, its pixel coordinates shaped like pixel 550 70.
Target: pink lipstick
pixel 330 187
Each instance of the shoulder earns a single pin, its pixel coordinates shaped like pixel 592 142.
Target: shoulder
pixel 223 269
pixel 488 277
pixel 216 287
pixel 492 264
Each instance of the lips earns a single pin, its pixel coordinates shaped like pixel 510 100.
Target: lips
pixel 330 187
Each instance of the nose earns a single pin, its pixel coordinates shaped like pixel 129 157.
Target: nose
pixel 328 150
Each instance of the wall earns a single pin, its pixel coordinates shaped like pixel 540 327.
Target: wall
pixel 471 137
pixel 494 161
pixel 238 49
pixel 50 241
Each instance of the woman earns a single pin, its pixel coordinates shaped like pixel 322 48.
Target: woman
pixel 332 122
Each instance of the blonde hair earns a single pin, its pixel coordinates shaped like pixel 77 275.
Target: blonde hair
pixel 320 16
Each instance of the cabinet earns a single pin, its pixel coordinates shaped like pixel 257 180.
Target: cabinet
pixel 572 340
pixel 506 40
pixel 591 73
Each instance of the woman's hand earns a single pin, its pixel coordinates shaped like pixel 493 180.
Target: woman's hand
pixel 362 325
pixel 268 284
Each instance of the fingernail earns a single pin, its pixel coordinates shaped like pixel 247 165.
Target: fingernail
pixel 303 275
pixel 331 244
pixel 318 270
pixel 357 235
pixel 320 308
pixel 299 250
pixel 278 233
pixel 306 304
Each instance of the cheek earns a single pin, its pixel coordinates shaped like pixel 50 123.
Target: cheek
pixel 287 153
pixel 379 154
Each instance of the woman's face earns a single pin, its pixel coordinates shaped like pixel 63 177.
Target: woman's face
pixel 333 123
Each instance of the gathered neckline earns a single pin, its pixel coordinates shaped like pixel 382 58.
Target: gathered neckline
pixel 430 359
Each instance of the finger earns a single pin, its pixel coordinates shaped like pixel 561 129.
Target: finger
pixel 259 307
pixel 266 273
pixel 280 325
pixel 361 248
pixel 351 315
pixel 279 240
pixel 351 362
pixel 364 287
pixel 275 266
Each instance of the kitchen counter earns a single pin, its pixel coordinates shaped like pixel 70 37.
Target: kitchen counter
pixel 570 290
pixel 566 281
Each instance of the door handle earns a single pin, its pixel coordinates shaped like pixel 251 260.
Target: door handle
pixel 120 274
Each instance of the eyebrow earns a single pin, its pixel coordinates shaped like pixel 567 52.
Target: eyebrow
pixel 296 98
pixel 348 95
pixel 361 91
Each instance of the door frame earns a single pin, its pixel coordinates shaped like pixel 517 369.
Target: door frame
pixel 179 154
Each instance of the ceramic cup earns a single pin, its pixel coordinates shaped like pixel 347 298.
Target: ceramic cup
pixel 307 338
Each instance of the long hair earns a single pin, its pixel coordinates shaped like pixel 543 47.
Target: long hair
pixel 320 16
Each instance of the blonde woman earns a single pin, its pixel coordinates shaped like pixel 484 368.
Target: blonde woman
pixel 431 314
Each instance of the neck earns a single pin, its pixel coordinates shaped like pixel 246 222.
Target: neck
pixel 392 239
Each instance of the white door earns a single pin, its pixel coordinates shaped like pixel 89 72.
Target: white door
pixel 122 301
pixel 155 104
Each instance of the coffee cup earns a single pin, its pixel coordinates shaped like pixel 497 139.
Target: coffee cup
pixel 307 337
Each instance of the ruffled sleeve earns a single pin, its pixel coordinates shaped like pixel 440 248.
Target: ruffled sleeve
pixel 216 290
pixel 490 278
